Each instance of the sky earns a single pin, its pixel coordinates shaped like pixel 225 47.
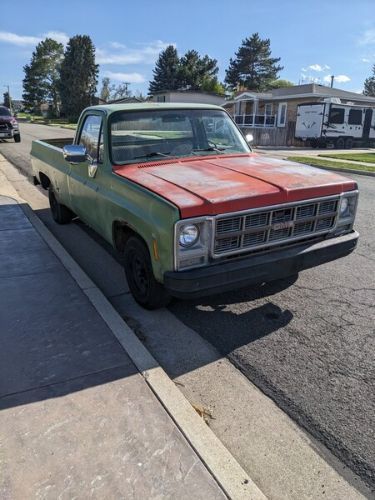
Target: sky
pixel 313 39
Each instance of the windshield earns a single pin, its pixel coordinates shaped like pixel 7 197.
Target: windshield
pixel 4 111
pixel 147 135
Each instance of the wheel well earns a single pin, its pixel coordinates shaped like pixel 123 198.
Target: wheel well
pixel 44 180
pixel 121 232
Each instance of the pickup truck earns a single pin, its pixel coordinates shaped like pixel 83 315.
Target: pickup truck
pixel 178 191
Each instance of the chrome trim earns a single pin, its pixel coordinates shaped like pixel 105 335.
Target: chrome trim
pixel 268 227
pixel 269 208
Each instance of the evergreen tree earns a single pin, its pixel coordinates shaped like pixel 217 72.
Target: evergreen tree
pixel 166 71
pixel 78 76
pixel 196 72
pixel 369 85
pixel 253 66
pixel 41 81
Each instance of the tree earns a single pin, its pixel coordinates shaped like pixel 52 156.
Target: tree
pixel 280 84
pixel 166 71
pixel 41 82
pixel 122 90
pixel 253 66
pixel 105 92
pixel 369 85
pixel 78 76
pixel 196 72
pixel 7 100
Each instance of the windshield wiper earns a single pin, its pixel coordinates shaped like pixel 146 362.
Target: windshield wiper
pixel 150 155
pixel 211 148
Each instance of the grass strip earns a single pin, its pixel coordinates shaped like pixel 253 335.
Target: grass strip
pixel 320 162
pixel 365 157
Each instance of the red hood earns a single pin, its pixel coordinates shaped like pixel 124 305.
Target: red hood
pixel 221 184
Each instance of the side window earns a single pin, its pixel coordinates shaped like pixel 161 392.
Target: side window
pixel 92 137
pixel 355 117
pixel 336 115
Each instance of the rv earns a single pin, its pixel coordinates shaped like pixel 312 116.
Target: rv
pixel 332 123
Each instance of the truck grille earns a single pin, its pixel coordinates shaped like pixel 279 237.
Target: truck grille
pixel 265 228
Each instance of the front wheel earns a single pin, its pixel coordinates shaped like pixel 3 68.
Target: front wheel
pixel 149 293
pixel 17 138
pixel 60 213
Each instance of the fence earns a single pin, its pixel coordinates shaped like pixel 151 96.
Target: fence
pixel 273 136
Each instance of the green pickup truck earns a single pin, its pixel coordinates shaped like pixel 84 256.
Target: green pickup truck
pixel 177 190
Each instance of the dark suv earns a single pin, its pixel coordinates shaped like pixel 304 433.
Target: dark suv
pixel 9 128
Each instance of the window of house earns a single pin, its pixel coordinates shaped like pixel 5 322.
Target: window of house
pixel 282 114
pixel 91 136
pixel 355 117
pixel 268 109
pixel 336 115
pixel 160 98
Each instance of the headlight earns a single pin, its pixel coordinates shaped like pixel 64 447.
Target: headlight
pixel 348 206
pixel 189 235
pixel 344 206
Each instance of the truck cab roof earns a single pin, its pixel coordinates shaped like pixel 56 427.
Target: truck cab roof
pixel 150 106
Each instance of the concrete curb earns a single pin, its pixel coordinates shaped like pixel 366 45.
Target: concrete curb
pixel 228 473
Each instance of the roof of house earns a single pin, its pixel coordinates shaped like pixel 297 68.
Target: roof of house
pixel 307 90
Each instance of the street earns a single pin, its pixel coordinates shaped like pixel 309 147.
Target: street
pixel 308 343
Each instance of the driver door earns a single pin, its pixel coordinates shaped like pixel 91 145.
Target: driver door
pixel 82 183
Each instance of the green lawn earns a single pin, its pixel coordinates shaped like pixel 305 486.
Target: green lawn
pixel 320 162
pixel 365 157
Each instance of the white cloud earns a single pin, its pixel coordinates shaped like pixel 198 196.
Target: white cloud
pixel 318 67
pixel 338 79
pixel 368 37
pixel 365 60
pixel 125 77
pixel 147 54
pixel 25 40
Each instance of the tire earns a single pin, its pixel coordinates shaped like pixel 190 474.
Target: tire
pixel 17 138
pixel 314 143
pixel 340 143
pixel 60 213
pixel 349 143
pixel 149 293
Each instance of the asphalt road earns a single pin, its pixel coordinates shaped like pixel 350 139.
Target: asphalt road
pixel 19 154
pixel 308 344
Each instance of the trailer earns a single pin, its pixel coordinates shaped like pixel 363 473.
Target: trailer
pixel 331 123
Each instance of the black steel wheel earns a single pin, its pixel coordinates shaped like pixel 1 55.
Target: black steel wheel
pixel 340 143
pixel 60 213
pixel 148 292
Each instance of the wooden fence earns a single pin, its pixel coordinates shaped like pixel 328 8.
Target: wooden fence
pixel 273 136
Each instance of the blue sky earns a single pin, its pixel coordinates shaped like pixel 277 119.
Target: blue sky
pixel 313 39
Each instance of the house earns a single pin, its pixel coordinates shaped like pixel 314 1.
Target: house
pixel 271 116
pixel 187 96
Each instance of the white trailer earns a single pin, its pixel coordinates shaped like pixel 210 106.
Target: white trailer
pixel 335 124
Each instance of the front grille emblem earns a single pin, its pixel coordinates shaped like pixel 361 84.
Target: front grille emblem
pixel 282 225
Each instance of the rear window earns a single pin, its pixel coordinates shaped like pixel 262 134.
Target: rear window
pixel 4 111
pixel 355 117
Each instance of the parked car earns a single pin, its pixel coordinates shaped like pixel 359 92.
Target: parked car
pixel 9 128
pixel 177 190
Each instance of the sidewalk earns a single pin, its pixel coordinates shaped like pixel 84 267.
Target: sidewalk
pixel 77 419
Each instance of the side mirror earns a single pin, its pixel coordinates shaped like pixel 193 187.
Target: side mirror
pixel 249 137
pixel 75 153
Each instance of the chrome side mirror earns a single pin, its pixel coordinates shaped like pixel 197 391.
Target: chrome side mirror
pixel 75 153
pixel 249 137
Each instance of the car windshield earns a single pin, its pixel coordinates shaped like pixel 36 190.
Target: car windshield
pixel 4 111
pixel 148 135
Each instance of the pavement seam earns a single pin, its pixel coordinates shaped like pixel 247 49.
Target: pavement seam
pixel 228 473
